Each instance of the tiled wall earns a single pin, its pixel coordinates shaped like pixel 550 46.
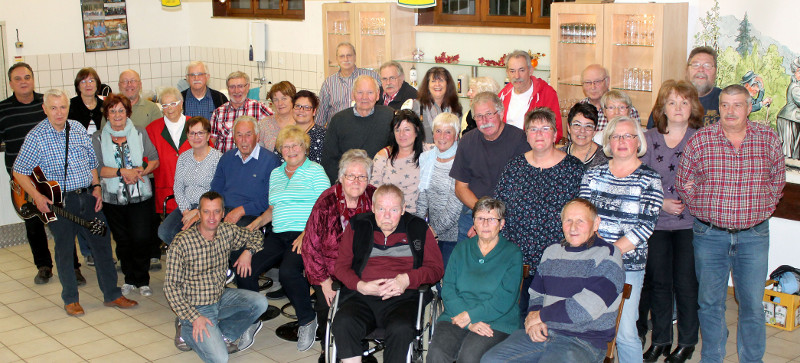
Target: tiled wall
pixel 160 67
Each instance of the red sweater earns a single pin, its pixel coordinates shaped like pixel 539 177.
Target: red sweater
pixel 543 96
pixel 164 175
pixel 431 271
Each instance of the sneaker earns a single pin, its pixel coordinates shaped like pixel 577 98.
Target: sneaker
pixel 155 264
pixel 43 276
pixel 127 288
pixel 89 260
pixel 232 347
pixel 248 337
pixel 229 276
pixel 145 290
pixel 179 342
pixel 306 335
pixel 79 277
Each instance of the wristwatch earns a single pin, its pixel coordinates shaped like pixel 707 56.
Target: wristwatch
pixel 118 172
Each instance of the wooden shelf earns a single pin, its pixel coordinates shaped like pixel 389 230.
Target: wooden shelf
pixel 480 30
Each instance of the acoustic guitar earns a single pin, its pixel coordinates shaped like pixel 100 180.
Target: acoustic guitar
pixel 23 203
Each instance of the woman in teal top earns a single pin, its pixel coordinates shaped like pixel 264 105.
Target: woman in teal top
pixel 479 290
pixel 293 189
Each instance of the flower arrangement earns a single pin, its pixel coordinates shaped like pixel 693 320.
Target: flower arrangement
pixel 502 61
pixel 444 58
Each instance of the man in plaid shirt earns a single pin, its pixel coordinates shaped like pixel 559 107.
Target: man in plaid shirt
pixel 211 316
pixel 731 177
pixel 222 119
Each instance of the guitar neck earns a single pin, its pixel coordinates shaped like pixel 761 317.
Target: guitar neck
pixel 64 213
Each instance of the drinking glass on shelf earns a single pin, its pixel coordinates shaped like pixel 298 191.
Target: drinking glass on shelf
pixel 628 32
pixel 344 26
pixel 636 77
pixel 594 33
pixel 647 80
pixel 382 26
pixel 364 26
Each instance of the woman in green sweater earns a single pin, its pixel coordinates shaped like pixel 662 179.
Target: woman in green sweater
pixel 479 290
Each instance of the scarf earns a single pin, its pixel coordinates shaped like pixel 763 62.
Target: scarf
pixel 109 150
pixel 428 160
pixel 364 204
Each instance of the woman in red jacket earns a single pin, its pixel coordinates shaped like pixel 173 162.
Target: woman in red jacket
pixel 329 217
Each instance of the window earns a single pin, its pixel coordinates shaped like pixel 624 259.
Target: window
pixel 286 9
pixel 498 13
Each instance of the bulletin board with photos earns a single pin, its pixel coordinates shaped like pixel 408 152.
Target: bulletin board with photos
pixel 105 25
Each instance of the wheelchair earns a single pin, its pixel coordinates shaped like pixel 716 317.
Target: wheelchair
pixel 428 301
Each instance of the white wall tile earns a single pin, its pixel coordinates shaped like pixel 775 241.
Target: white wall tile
pixel 55 80
pixel 66 60
pixel 104 76
pixel 304 63
pixel 123 58
pixel 144 56
pixel 185 52
pixel 175 54
pixel 32 61
pixel 55 61
pixel 78 60
pixel 100 59
pixel 42 81
pixel 155 56
pixel 90 60
pixel 42 63
pixel 166 54
pixel 133 57
pixel 67 77
pixel 111 58
pixel 155 70
pixel 166 70
pixel 147 84
pixel 177 70
pixel 114 71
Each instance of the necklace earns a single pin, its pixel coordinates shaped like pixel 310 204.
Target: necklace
pixel 585 157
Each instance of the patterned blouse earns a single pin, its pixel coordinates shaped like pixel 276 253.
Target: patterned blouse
pixel 628 207
pixel 268 132
pixel 404 174
pixel 317 135
pixel 193 178
pixel 534 198
pixel 440 204
pixel 597 158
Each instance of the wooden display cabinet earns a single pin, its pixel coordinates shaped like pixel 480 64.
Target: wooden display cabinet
pixel 379 31
pixel 641 45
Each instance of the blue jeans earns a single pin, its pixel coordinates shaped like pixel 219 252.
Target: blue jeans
pixel 465 222
pixel 235 311
pixel 446 247
pixel 64 232
pixel 558 348
pixel 171 225
pixel 629 346
pixel 83 244
pixel 744 255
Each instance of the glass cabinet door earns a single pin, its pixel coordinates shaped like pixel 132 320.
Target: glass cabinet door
pixel 339 28
pixel 373 31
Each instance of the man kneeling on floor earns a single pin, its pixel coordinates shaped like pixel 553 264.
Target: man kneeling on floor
pixel 212 317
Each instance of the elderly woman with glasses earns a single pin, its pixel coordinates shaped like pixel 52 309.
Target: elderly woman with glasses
pixel 125 157
pixel 614 103
pixel 535 186
pixel 168 135
pixel 193 173
pixel 280 94
pixel 479 290
pixel 628 197
pixel 437 190
pixel 294 187
pixel 329 217
pixel 86 107
pixel 582 125
pixel 398 163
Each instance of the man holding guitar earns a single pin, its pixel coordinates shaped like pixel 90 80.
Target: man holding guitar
pixel 63 151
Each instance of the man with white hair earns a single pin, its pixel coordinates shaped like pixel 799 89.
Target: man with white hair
pixel 199 99
pixel 336 92
pixel 143 111
pixel 45 147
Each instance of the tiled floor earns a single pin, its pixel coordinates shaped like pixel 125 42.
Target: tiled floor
pixel 35 328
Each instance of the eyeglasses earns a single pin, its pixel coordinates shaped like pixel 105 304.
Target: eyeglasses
pixel 490 220
pixel 351 177
pixel 594 83
pixel 485 116
pixel 129 81
pixel 303 107
pixel 543 129
pixel 197 134
pixel 697 65
pixel 196 74
pixel 392 78
pixel 88 81
pixel 168 105
pixel 625 137
pixel 619 108
pixel 579 126
pixel 238 86
pixel 115 111
pixel 291 147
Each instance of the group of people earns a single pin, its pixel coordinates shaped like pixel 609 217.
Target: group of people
pixel 532 228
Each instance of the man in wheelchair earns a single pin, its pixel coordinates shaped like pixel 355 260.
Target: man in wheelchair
pixel 384 256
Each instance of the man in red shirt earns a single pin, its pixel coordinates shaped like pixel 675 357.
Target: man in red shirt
pixel 731 176
pixel 525 92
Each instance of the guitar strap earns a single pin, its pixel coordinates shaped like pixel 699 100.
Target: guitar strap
pixel 66 152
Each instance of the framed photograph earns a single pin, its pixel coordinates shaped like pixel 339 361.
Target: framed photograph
pixel 105 25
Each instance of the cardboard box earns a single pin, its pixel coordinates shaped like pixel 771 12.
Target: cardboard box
pixel 781 310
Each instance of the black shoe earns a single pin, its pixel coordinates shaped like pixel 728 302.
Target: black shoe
pixel 681 354
pixel 277 294
pixel 321 358
pixel 369 359
pixel 43 276
pixel 79 277
pixel 655 351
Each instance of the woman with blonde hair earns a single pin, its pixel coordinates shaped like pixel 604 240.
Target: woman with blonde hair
pixel 477 85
